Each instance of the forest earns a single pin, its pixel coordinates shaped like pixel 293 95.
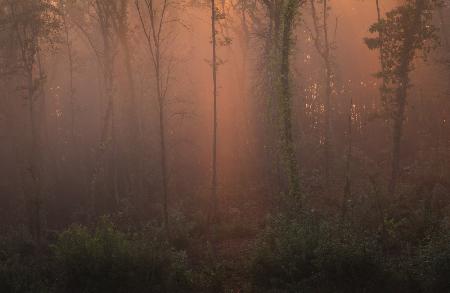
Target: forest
pixel 224 146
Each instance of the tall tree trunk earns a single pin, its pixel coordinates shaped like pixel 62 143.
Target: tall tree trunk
pixel 43 141
pixel 383 88
pixel 397 131
pixel 214 200
pixel 348 182
pixel 134 130
pixel 273 168
pixel 69 49
pixel 407 57
pixel 34 202
pixel 327 94
pixel 29 46
pixel 104 13
pixel 162 137
pixel 154 41
pixel 285 100
pixel 324 50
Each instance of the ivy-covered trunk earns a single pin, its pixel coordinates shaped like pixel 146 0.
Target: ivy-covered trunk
pixel 285 98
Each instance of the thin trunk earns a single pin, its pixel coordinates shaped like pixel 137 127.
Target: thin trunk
pixel 162 136
pixel 397 131
pixel 327 93
pixel 99 158
pixel 135 164
pixel 379 200
pixel 43 137
pixel 71 68
pixel 35 200
pixel 348 182
pixel 107 63
pixel 135 128
pixel 383 88
pixel 131 87
pixel 244 119
pixel 214 200
pixel 153 36
pixel 324 51
pixel 271 51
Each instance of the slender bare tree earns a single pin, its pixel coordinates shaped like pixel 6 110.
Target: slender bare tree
pixel 154 20
pixel 33 22
pixel 214 200
pixel 324 46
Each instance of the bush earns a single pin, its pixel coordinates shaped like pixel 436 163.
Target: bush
pixel 210 274
pixel 22 267
pixel 107 260
pixel 181 229
pixel 432 264
pixel 303 256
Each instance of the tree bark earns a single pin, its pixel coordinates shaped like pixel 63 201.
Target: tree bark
pixel 214 217
pixel 407 57
pixel 285 98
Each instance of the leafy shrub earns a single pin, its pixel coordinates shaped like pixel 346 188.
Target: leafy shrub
pixel 432 265
pixel 303 256
pixel 181 229
pixel 107 260
pixel 210 275
pixel 350 264
pixel 22 267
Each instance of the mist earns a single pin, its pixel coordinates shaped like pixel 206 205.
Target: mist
pixel 224 146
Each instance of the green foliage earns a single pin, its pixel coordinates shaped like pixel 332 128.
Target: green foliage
pixel 31 21
pixel 211 275
pixel 21 269
pixel 303 256
pixel 107 260
pixel 404 32
pixel 181 229
pixel 432 265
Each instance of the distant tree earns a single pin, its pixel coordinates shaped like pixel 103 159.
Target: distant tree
pixel 404 31
pixel 31 24
pixel 324 47
pixel 63 10
pixel 154 18
pixel 213 217
pixel 348 162
pixel 120 20
pixel 94 19
pixel 105 26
